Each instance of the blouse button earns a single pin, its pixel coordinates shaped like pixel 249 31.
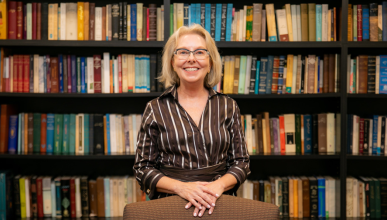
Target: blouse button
pixel 148 191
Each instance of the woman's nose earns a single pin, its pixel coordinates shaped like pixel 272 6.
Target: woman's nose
pixel 191 57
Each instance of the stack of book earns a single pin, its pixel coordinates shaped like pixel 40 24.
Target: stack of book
pixel 66 197
pixel 304 22
pixel 366 197
pixel 81 21
pixel 367 74
pixel 292 133
pixel 297 197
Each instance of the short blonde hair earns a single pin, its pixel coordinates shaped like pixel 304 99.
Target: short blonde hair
pixel 169 77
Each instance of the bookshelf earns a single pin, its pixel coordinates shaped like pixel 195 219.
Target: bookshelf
pixel 338 164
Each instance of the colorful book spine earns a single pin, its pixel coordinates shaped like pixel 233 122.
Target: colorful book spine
pixel 13 134
pixel 321 196
pixel 133 22
pixel 256 90
pixel 72 134
pixel 107 195
pixel 73 74
pixel 229 21
pixel 318 22
pixel 218 21
pixel 242 75
pixel 383 75
pixel 263 75
pixel 281 74
pixel 66 125
pixel 50 133
pixel 269 77
pixel 366 22
pixel 108 133
pixel 58 135
pixel 83 75
pixel 208 17
pixel 60 58
pixel 375 148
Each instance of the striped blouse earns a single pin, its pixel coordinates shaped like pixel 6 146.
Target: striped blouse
pixel 169 136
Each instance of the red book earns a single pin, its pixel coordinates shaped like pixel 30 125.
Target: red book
pixel 19 15
pixel 147 24
pixel 39 21
pixel 26 72
pixel 12 19
pixel 97 73
pixel 43 133
pixel 5 112
pixel 361 135
pixel 282 134
pixel 39 193
pixel 72 198
pixel 54 75
pixel 359 23
pixel 34 20
pixel 119 73
pixel 20 73
pixel 15 80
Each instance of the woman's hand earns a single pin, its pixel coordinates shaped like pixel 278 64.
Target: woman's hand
pixel 197 193
pixel 218 189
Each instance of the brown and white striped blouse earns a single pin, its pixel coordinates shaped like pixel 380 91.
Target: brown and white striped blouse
pixel 169 136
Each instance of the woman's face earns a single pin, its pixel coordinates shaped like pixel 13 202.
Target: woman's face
pixel 190 69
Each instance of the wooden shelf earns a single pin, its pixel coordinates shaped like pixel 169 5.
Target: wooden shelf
pixel 366 157
pixel 367 96
pixel 233 44
pixel 367 44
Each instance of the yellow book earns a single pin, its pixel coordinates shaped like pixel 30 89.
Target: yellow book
pixel 291 204
pixel 270 18
pixel 289 74
pixel 180 15
pixel 86 20
pixel 231 76
pixel 23 207
pixel 139 21
pixel 4 20
pixel 226 76
pixel 289 21
pixel 295 197
pixel 53 21
pixel 128 14
pixel 80 10
pixel 264 136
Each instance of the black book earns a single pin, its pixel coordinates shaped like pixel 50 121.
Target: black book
pixel 64 74
pixel 213 20
pixel 7 179
pixel 202 15
pixel 121 33
pixel 313 197
pixel 253 75
pixel 366 136
pixel 44 14
pixel 371 74
pixel 315 134
pixel 98 134
pixel 124 26
pixel 34 197
pixel 383 197
pixel 152 72
pixel 91 134
pixel 160 86
pixel 261 191
pixel 350 133
pixel 302 75
pixel 367 196
pixel 32 72
pixel 281 72
pixel 16 198
pixel 84 197
pixel 115 21
pixel 383 135
pixel 285 197
pixel 65 197
pixel 223 23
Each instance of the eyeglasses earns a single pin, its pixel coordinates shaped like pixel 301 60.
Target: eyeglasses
pixel 199 54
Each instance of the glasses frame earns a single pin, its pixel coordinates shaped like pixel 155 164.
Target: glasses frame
pixel 193 52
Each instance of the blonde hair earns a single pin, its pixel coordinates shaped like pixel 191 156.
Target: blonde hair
pixel 169 77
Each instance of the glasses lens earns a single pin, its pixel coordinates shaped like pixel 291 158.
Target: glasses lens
pixel 200 54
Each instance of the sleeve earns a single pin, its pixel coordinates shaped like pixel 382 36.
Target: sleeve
pixel 145 171
pixel 238 156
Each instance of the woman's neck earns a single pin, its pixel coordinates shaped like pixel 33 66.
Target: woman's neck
pixel 191 91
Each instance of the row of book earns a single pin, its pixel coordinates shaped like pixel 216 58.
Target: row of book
pixel 292 133
pixel 304 22
pixel 366 197
pixel 291 74
pixel 367 22
pixel 297 197
pixel 79 134
pixel 66 197
pixel 71 74
pixel 367 74
pixel 81 21
pixel 366 135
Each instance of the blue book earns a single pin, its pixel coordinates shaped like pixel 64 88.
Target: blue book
pixel 242 75
pixel 198 13
pixel 208 18
pixel 50 133
pixel 384 20
pixel 186 15
pixel 262 76
pixel 72 134
pixel 12 136
pixel 318 22
pixel 137 72
pixel 86 134
pixel 106 187
pixel 60 58
pixel 319 78
pixel 108 133
pixel 383 75
pixel 189 15
pixel 83 76
pixel 308 134
pixel 375 147
pixel 218 21
pixel 229 22
pixel 45 73
pixel 66 134
pixel 19 134
pixel 5 179
pixel 269 76
pixel 321 196
pixel 58 201
pixel 147 65
pixel 366 22
pixel 192 12
pixel 350 133
pixel 281 74
pixel 73 74
pixel 257 77
pixel 133 22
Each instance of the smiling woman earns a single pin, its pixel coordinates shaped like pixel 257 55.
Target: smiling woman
pixel 191 141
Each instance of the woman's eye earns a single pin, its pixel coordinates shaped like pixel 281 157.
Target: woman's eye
pixel 183 52
pixel 199 52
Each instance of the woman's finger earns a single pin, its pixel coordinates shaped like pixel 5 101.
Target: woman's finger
pixel 196 211
pixel 211 210
pixel 196 204
pixel 201 201
pixel 208 198
pixel 201 212
pixel 207 190
pixel 189 204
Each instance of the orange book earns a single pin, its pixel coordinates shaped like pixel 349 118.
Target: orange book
pixel 3 21
pixel 5 112
pixel 43 134
pixel 26 133
pixel 295 197
pixel 105 134
pixel 80 21
pixel 86 21
pixel 104 23
pixel 334 23
pixel 111 76
pixel 282 134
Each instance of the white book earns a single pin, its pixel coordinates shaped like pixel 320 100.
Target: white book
pixel 338 133
pixel 329 196
pixel 78 207
pixel 377 74
pixel 27 193
pixel 321 72
pixel 71 21
pixel 134 131
pixel 119 133
pixel 370 138
pixel 113 136
pixel 98 24
pixel 293 8
pixel 281 24
pixel 290 144
pixel 329 28
pixel 249 140
pixel 355 197
pixel 115 75
pixel 106 73
pixel 6 68
pixel 29 21
pixel 294 78
pixel 331 133
pixel 244 23
pixel 46 188
pixel 128 21
pixel 41 75
pixel 324 22
pixel 125 73
pixel 241 21
pixel 90 75
pixel 298 17
pixel 121 195
pixel 349 195
pixel 130 128
pixel 106 181
pixel 248 73
pixel 112 197
pixel 53 199
pixel 139 21
pixel 355 145
pixel 62 34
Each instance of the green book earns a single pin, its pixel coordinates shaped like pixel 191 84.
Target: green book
pixel 354 12
pixel 66 134
pixel 312 21
pixel 377 198
pixel 249 23
pixel 298 133
pixel 72 134
pixel 372 197
pixel 242 75
pixel 78 75
pixel 171 20
pixel 36 133
pixel 58 134
pixel 354 76
pixel 86 133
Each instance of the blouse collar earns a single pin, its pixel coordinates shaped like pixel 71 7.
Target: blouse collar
pixel 172 90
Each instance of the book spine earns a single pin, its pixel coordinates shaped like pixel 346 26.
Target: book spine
pixel 318 22
pixel 373 22
pixel 366 22
pixel 115 21
pixel 269 76
pixel 371 74
pixel 133 22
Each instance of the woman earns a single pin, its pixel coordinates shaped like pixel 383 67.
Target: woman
pixel 191 141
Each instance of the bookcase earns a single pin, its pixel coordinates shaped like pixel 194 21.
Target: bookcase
pixel 338 164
